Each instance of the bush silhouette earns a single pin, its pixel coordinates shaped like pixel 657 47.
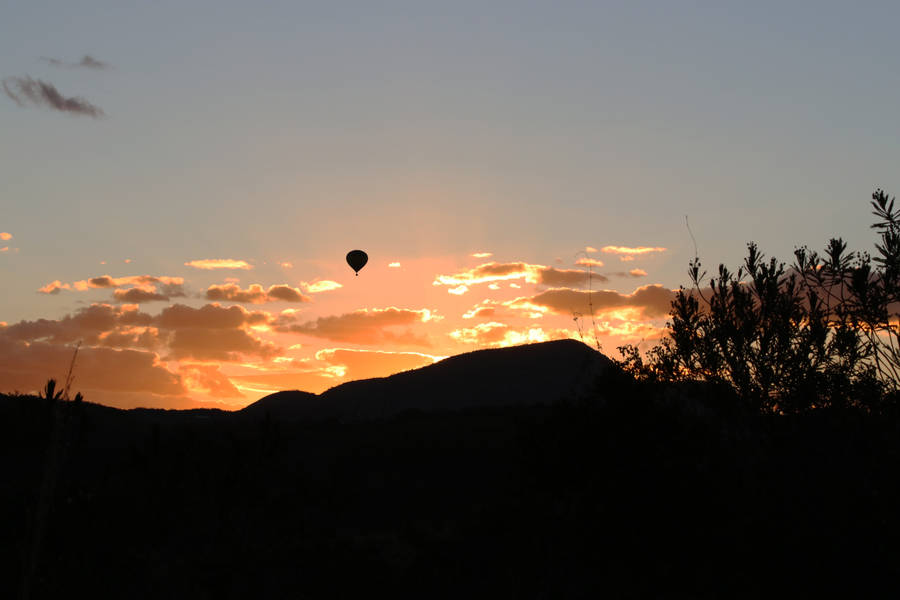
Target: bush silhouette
pixel 822 332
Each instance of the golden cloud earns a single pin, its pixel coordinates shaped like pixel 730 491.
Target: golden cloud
pixel 5 236
pixel 589 262
pixel 494 272
pixel 324 285
pixel 498 335
pixel 482 255
pixel 394 265
pixel 627 253
pixel 219 263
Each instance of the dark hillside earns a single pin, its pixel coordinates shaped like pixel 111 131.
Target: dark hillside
pixel 519 376
pixel 637 490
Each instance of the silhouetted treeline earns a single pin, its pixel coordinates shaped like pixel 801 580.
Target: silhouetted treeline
pixel 823 332
pixel 644 489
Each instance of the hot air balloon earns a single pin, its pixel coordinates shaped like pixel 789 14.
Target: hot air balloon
pixel 357 259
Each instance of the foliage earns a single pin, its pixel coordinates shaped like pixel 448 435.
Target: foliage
pixel 820 333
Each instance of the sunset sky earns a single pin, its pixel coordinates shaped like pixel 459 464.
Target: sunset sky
pixel 182 180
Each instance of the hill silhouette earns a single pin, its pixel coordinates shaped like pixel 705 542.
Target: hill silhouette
pixel 526 375
pixel 506 473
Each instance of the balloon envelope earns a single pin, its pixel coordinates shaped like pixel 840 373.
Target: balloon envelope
pixel 357 259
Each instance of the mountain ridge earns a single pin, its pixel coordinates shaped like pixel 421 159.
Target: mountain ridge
pixel 528 374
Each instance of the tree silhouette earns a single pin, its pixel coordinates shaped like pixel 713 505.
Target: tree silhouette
pixel 822 332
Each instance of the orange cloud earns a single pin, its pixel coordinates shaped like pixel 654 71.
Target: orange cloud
pixel 286 265
pixel 255 294
pixel 654 301
pixel 394 265
pixel 208 379
pixel 5 236
pixel 481 312
pixel 169 286
pixel 219 263
pixel 4 249
pixel 366 364
pixel 26 366
pixel 86 324
pixel 122 345
pixel 491 272
pixel 590 249
pixel 363 326
pixel 54 287
pixel 482 254
pixel 313 380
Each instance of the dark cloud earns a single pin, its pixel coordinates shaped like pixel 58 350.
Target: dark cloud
pixel 218 344
pixel 86 324
pixel 553 277
pixel 255 294
pixel 27 366
pixel 26 91
pixel 209 316
pixel 104 281
pixel 139 295
pixel 286 293
pixel 654 301
pixel 147 338
pixel 87 62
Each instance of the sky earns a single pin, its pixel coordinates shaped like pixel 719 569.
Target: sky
pixel 181 181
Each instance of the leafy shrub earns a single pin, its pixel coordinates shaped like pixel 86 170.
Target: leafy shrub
pixel 823 332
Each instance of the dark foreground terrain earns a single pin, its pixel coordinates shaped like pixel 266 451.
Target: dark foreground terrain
pixel 633 491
